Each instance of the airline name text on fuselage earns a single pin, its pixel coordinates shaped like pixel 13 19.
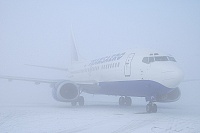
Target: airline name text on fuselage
pixel 107 59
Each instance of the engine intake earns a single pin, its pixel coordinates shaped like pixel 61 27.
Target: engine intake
pixel 66 91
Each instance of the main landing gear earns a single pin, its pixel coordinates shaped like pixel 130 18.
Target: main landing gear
pixel 127 101
pixel 80 101
pixel 151 107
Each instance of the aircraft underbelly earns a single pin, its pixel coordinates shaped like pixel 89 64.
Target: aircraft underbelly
pixel 137 88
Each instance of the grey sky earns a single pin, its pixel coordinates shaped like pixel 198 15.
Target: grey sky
pixel 38 32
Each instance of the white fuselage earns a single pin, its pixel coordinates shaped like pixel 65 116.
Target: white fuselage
pixel 127 67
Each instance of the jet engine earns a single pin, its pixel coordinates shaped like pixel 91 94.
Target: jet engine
pixel 66 91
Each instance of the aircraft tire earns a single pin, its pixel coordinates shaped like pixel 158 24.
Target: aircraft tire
pixel 121 101
pixel 128 101
pixel 148 108
pixel 151 108
pixel 154 108
pixel 81 101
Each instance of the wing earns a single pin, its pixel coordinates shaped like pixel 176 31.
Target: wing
pixel 35 80
pixel 48 81
pixel 191 80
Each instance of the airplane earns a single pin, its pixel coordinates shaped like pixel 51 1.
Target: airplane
pixel 133 73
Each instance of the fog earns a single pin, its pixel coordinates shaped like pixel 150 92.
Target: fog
pixel 38 32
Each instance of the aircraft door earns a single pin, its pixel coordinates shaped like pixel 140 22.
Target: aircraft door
pixel 127 67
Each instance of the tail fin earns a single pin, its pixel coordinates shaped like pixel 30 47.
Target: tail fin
pixel 74 56
pixel 74 53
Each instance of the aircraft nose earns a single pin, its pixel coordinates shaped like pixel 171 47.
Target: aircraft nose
pixel 178 75
pixel 173 77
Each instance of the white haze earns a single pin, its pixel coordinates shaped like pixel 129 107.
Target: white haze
pixel 38 32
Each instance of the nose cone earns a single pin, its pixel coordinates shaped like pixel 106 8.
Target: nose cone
pixel 173 77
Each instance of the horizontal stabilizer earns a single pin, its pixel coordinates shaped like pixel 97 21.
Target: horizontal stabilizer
pixel 49 67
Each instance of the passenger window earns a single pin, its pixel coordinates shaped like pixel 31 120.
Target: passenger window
pixel 145 60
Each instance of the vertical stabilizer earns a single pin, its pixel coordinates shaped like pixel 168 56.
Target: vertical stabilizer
pixel 74 52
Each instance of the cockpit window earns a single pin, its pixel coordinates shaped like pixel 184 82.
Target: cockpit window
pixel 161 58
pixel 151 59
pixel 145 60
pixel 148 60
pixel 171 59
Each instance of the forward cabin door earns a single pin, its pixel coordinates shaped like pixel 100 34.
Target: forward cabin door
pixel 127 67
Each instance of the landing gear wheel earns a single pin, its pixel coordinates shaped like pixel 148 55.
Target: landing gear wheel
pixel 154 108
pixel 121 101
pixel 73 103
pixel 81 101
pixel 151 108
pixel 148 108
pixel 128 101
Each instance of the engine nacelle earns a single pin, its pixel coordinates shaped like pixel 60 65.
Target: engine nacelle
pixel 172 96
pixel 66 91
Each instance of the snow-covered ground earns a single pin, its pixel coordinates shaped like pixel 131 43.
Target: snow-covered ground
pixel 101 114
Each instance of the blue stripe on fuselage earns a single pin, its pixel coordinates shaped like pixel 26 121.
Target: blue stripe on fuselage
pixel 137 88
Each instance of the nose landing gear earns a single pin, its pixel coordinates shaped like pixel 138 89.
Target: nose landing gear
pixel 151 107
